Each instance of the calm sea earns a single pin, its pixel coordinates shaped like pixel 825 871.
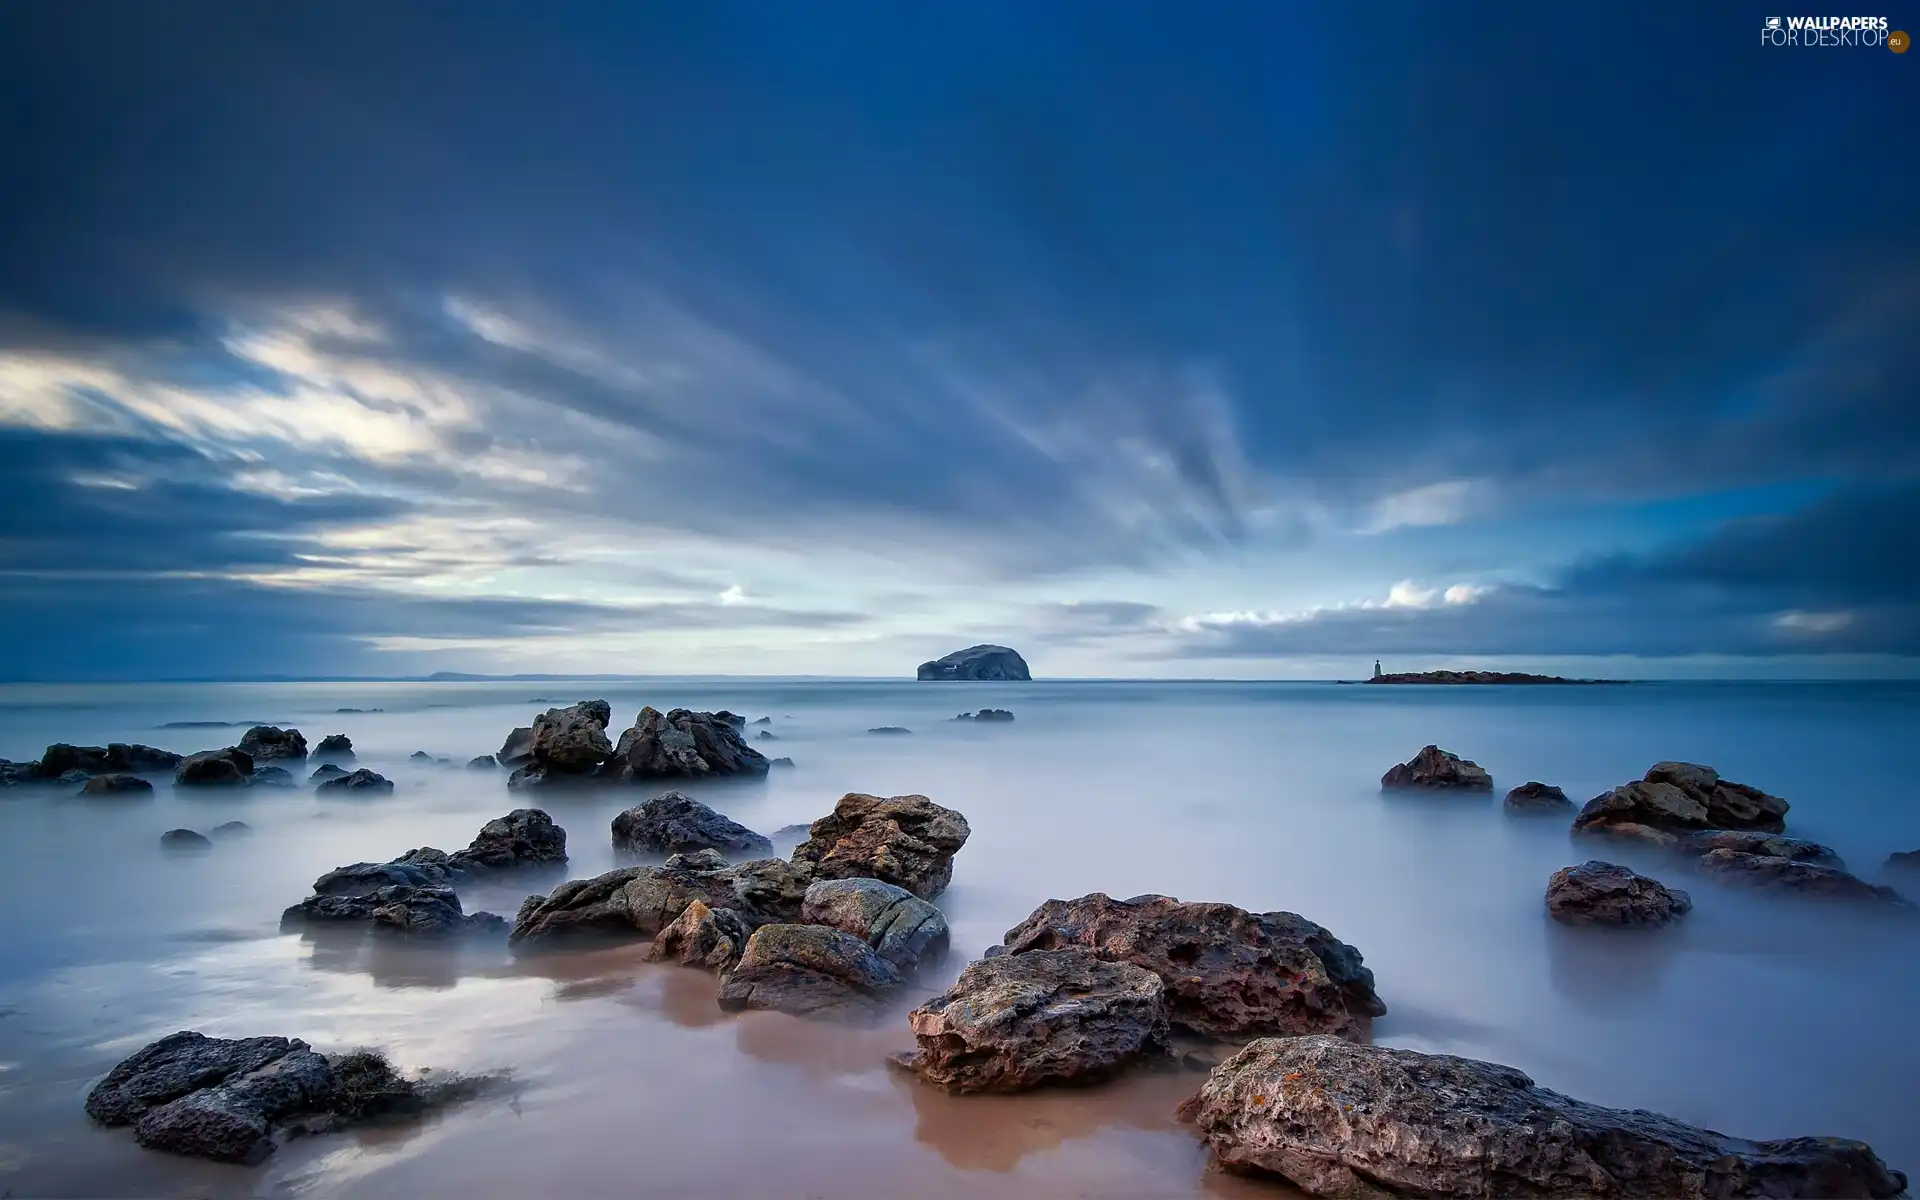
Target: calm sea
pixel 1756 1017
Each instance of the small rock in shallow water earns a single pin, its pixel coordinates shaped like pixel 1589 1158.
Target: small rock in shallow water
pixel 1538 798
pixel 782 761
pixel 231 829
pixel 420 756
pixel 183 839
pixel 1343 1120
pixel 360 782
pixel 116 785
pixel 808 970
pixel 1601 893
pixel 1800 878
pixel 1019 1021
pixel 485 762
pixel 1438 769
pixel 271 777
pixel 891 729
pixel 328 771
pixel 674 823
pixel 335 746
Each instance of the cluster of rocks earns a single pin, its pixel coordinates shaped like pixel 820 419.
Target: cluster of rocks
pixel 232 1099
pixel 120 762
pixel 571 744
pixel 986 714
pixel 415 894
pixel 187 839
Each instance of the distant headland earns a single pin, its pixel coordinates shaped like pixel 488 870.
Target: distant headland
pixel 1476 677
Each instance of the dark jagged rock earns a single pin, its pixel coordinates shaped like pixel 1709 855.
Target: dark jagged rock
pixel 419 756
pixel 1676 797
pixel 231 829
pixel 124 756
pixel 1229 973
pixel 572 740
pixel 518 747
pixel 908 841
pixel 1601 893
pixel 683 744
pixel 782 761
pixel 525 837
pixel 271 777
pixel 986 714
pixel 890 729
pixel 1800 878
pixel 708 938
pixel 425 867
pixel 116 785
pixel 673 823
pixel 1538 798
pixel 1338 1119
pixel 900 926
pixel 638 902
pixel 325 772
pixel 227 1099
pixel 767 735
pixel 74 778
pixel 1052 1016
pixel 336 747
pixel 981 662
pixel 485 762
pixel 214 768
pixel 1747 841
pixel 60 758
pixel 1439 769
pixel 808 970
pixel 428 912
pixel 267 742
pixel 183 839
pixel 360 782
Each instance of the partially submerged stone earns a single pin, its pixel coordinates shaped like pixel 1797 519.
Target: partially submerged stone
pixel 1437 769
pixel 1678 797
pixel 363 782
pixel 675 823
pixel 1229 973
pixel 1746 841
pixel 1020 1021
pixel 116 785
pixel 214 768
pixel 908 841
pixel 1344 1120
pixel 711 939
pixel 184 839
pixel 267 742
pixel 1538 798
pixel 902 928
pixel 684 744
pixel 335 746
pixel 426 912
pixel 326 771
pixel 1602 893
pixel 1785 875
pixel 638 902
pixel 808 970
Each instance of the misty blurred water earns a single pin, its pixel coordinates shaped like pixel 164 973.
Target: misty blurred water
pixel 1758 1017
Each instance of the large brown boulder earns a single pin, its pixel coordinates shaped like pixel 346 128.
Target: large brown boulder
pixel 1438 769
pixel 908 841
pixel 1229 973
pixel 1676 797
pixel 1602 893
pixel 1018 1021
pixel 638 902
pixel 683 744
pixel 1338 1119
pixel 709 938
pixel 808 970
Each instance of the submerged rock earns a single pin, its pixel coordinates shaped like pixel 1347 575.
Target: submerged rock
pixel 1019 1021
pixel 986 714
pixel 325 772
pixel 683 744
pixel 976 663
pixel 271 777
pixel 360 782
pixel 673 823
pixel 1772 845
pixel 1601 893
pixel 214 768
pixel 484 762
pixel 1338 1119
pixel 1438 769
pixel 335 746
pixel 902 928
pixel 430 912
pixel 908 841
pixel 808 970
pixel 1229 973
pixel 184 839
pixel 638 902
pixel 525 837
pixel 231 829
pixel 709 938
pixel 116 785
pixel 1903 861
pixel 890 729
pixel 1801 878
pixel 425 867
pixel 1676 797
pixel 782 761
pixel 1538 798
pixel 267 742
pixel 226 1099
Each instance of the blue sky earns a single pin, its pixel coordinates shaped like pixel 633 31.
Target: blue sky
pixel 1154 340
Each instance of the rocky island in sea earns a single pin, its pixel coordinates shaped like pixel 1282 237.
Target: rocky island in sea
pixel 1475 677
pixel 981 662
